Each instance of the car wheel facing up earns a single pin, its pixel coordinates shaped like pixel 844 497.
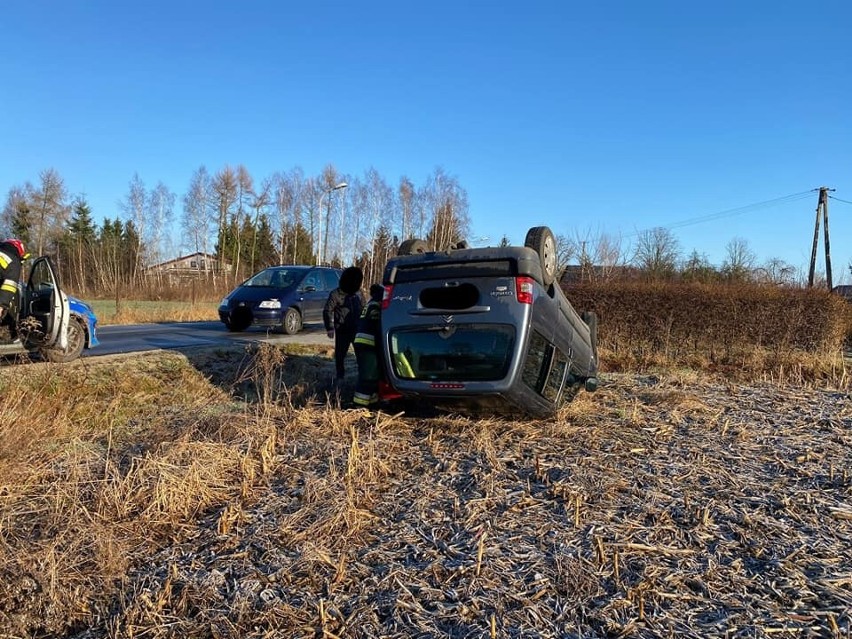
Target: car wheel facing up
pixel 541 240
pixel 413 247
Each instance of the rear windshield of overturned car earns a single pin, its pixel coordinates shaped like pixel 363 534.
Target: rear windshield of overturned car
pixel 462 353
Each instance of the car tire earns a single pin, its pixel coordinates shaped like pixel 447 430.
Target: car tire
pixel 541 240
pixel 76 344
pixel 413 247
pixel 292 322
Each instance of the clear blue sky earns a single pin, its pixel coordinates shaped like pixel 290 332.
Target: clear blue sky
pixel 591 117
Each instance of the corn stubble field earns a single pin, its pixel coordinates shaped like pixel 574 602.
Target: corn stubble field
pixel 703 491
pixel 218 494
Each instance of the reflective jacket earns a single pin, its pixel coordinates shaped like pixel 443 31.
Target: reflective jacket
pixel 10 274
pixel 368 324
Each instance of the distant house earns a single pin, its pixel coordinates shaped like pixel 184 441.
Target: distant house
pixel 844 290
pixel 194 264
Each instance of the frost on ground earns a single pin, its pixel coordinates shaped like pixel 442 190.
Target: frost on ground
pixel 667 505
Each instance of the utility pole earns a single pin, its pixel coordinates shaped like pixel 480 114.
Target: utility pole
pixel 822 206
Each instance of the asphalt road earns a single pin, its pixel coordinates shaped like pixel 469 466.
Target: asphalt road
pixel 132 338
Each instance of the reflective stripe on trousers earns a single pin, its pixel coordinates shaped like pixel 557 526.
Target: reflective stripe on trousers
pixel 366 339
pixel 363 399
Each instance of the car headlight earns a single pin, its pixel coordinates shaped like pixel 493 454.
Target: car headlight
pixel 270 304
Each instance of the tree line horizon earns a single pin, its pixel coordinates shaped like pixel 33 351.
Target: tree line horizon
pixel 291 218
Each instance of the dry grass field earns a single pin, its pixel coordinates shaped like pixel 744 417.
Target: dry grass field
pixel 148 311
pixel 219 493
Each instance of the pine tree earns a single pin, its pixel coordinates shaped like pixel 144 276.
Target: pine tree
pixel 264 245
pixel 77 246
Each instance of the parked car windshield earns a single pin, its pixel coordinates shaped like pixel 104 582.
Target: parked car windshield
pixel 461 353
pixel 276 277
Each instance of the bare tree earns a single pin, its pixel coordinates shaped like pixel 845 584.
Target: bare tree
pixel 565 252
pixel 197 221
pixel 406 194
pixel 288 212
pixel 657 253
pixel 50 209
pixel 337 212
pixel 777 271
pixel 359 199
pixel 448 205
pixel 245 191
pixel 311 199
pixel 224 194
pixel 161 203
pixel 739 260
pixel 599 254
pixel 261 199
pixel 135 209
pixel 697 268
pixel 379 200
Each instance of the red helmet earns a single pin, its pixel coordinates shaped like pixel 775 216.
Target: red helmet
pixel 19 246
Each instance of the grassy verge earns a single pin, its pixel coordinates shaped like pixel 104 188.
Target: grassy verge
pixel 144 312
pixel 219 493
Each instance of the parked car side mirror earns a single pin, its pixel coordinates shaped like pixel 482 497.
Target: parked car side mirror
pixel 309 289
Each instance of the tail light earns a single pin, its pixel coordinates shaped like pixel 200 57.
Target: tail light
pixel 386 296
pixel 524 287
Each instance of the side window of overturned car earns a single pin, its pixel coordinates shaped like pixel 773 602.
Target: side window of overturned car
pixel 537 364
pixel 557 373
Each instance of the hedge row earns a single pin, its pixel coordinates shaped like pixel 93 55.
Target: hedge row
pixel 679 321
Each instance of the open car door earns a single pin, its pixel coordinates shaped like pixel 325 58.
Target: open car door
pixel 44 317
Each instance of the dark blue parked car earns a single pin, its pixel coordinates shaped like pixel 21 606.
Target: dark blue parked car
pixel 46 320
pixel 284 297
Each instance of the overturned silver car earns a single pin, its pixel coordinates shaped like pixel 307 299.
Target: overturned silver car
pixel 485 329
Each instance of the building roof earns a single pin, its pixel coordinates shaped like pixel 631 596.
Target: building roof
pixel 183 258
pixel 844 290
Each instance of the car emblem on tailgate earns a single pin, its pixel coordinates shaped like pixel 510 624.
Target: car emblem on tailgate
pixel 447 318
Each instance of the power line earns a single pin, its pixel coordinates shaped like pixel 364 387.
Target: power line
pixel 839 199
pixel 740 210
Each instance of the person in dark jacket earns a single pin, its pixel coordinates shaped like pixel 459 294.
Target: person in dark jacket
pixel 12 255
pixel 367 342
pixel 340 316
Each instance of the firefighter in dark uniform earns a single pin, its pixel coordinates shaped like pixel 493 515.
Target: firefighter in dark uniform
pixel 367 344
pixel 12 255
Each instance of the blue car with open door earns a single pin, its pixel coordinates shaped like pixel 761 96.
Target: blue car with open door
pixel 44 319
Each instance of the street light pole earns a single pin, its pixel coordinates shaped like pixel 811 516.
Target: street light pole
pixel 320 244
